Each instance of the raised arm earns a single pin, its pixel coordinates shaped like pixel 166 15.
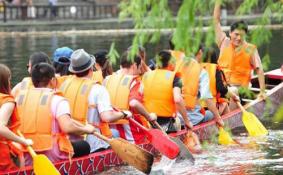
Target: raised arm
pixel 219 34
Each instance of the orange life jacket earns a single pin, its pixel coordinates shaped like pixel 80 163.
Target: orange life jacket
pixel 77 90
pixel 211 70
pixel 236 63
pixel 179 57
pixel 61 79
pixel 97 76
pixel 34 106
pixel 5 144
pixel 190 72
pixel 158 92
pixel 118 86
pixel 26 83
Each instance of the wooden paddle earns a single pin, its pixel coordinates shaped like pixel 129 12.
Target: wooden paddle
pixel 130 153
pixel 184 152
pixel 251 122
pixel 159 141
pixel 41 164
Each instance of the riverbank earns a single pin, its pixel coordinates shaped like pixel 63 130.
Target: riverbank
pixel 107 32
pixel 107 23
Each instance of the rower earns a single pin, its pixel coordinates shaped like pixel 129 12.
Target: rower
pixel 142 54
pixel 207 57
pixel 237 57
pixel 162 94
pixel 195 87
pixel 61 62
pixel 90 102
pixel 35 58
pixel 9 123
pixel 45 118
pixel 102 65
pixel 124 90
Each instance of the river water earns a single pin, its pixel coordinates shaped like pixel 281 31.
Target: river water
pixel 15 48
pixel 263 156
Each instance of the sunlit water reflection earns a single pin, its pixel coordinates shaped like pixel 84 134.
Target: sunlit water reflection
pixel 255 156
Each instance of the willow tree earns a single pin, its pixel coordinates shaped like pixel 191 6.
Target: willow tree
pixel 189 28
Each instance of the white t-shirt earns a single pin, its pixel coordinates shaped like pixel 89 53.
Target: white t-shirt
pixel 99 97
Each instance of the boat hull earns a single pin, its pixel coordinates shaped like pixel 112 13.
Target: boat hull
pixel 101 161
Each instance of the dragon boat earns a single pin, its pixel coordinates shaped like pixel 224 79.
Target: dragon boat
pixel 100 161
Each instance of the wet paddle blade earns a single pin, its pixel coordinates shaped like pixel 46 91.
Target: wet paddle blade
pixel 184 152
pixel 224 137
pixel 253 125
pixel 162 143
pixel 132 154
pixel 43 166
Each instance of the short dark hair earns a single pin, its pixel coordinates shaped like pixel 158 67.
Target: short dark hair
pixel 41 74
pixel 83 74
pixel 209 55
pixel 101 58
pixel 242 25
pixel 39 57
pixel 126 60
pixel 164 57
pixel 62 69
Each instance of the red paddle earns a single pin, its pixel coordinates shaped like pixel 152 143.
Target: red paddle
pixel 159 141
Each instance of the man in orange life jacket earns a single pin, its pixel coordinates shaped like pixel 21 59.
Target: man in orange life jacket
pixel 162 94
pixel 35 58
pixel 45 118
pixel 237 57
pixel 124 89
pixel 90 102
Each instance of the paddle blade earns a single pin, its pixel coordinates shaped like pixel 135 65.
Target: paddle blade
pixel 43 166
pixel 184 152
pixel 224 137
pixel 162 143
pixel 253 125
pixel 132 154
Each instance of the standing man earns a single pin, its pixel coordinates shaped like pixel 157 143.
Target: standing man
pixel 237 57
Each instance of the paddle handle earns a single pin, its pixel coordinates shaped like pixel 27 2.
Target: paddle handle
pixel 101 137
pixel 138 124
pixel 241 106
pixel 158 126
pixel 30 150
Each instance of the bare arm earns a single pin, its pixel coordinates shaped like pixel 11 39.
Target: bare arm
pixel 111 116
pixel 261 79
pixel 5 114
pixel 179 102
pixel 141 109
pixel 219 34
pixel 68 126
